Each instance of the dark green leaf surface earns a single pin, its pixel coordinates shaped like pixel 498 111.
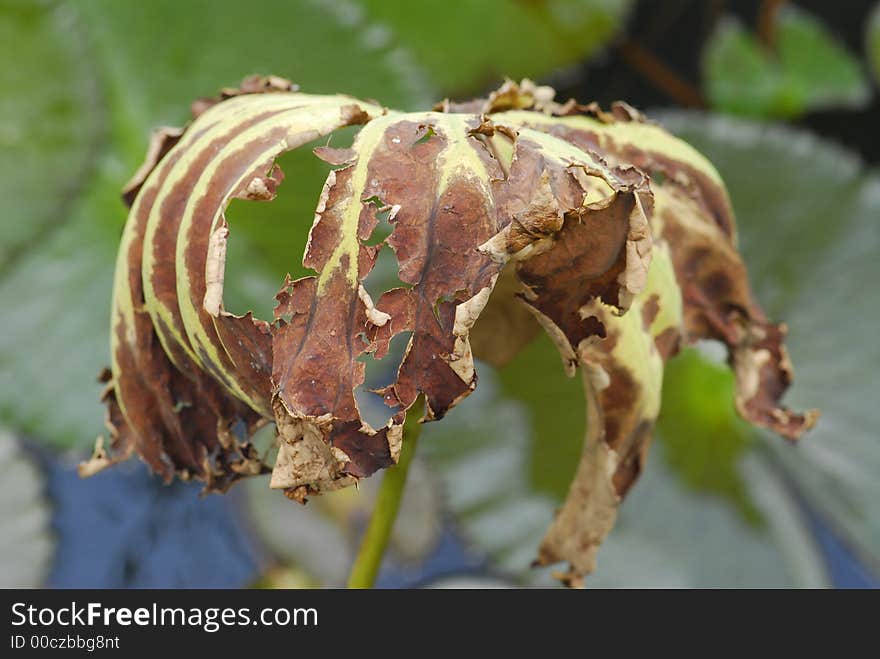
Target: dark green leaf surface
pixel 51 122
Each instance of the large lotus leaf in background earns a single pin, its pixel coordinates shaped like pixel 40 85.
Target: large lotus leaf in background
pixel 713 508
pixel 27 541
pixel 468 45
pixel 50 125
pixel 56 338
pixel 814 252
pixel 806 69
pixel 703 438
pixel 133 80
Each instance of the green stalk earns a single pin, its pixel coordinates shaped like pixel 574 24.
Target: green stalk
pixel 375 541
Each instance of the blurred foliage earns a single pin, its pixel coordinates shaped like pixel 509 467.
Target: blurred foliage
pixel 808 215
pixel 477 43
pixel 27 542
pixel 322 538
pixel 556 414
pixel 703 437
pixel 803 69
pixel 872 41
pixel 52 124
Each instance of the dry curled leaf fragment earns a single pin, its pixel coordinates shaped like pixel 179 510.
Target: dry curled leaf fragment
pixel 507 215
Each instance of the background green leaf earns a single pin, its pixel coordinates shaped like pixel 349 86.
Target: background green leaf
pixel 665 535
pixel 806 70
pixel 811 244
pixel 467 46
pixel 51 122
pixel 703 437
pixel 556 406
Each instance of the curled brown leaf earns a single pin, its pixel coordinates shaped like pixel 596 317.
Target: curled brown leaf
pixel 508 214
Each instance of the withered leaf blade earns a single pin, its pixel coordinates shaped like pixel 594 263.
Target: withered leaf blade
pixel 695 216
pixel 459 216
pixel 599 227
pixel 701 291
pixel 622 378
pixel 180 418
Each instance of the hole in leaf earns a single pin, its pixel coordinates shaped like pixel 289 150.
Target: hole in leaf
pixel 556 413
pixel 458 295
pixel 426 133
pixel 267 239
pixel 380 373
pixel 384 227
pixel 264 442
pixel 384 276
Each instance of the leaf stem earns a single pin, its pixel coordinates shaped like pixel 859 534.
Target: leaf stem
pixel 767 22
pixel 375 540
pixel 664 78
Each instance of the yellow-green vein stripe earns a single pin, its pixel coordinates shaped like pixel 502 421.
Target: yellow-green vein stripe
pixel 297 124
pixel 365 143
pixel 228 115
